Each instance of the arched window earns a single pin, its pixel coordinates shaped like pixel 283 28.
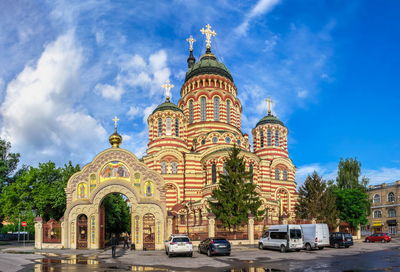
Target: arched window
pixel 276 137
pixel 251 172
pixel 228 111
pixel 261 138
pixel 168 126
pixel 377 198
pixel 174 166
pixel 163 167
pixel 191 112
pixel 377 214
pixel 159 127
pixel 391 197
pixel 277 174
pixel 216 108
pixel 392 213
pixel 269 137
pixel 214 173
pixel 177 127
pixel 285 174
pixel 203 108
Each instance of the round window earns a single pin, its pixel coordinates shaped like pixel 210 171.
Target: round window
pixel 214 139
pixel 228 140
pixel 239 142
pixel 203 141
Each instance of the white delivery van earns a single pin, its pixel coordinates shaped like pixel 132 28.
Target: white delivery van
pixel 315 236
pixel 282 237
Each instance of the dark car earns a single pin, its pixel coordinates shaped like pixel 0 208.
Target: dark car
pixel 214 246
pixel 340 239
pixel 378 237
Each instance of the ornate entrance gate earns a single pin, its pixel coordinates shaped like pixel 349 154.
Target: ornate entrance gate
pixel 82 230
pixel 149 237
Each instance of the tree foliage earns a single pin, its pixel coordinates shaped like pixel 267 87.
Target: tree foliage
pixel 349 171
pixel 316 200
pixel 8 163
pixel 235 196
pixel 118 218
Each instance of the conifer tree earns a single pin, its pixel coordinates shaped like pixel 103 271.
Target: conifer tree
pixel 235 196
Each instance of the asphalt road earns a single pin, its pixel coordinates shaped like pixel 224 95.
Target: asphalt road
pixel 360 257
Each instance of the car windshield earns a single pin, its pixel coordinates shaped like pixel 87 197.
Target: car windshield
pixel 181 239
pixel 295 234
pixel 220 241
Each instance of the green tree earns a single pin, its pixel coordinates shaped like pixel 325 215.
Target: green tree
pixel 118 218
pixel 317 200
pixel 8 163
pixel 348 177
pixel 235 196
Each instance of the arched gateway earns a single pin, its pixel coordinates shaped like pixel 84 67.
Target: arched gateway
pixel 114 170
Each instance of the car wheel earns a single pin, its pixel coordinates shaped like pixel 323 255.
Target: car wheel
pixel 298 250
pixel 190 254
pixel 209 254
pixel 383 241
pixel 228 254
pixel 346 246
pixel 260 246
pixel 283 249
pixel 308 247
pixel 367 240
pixel 321 248
pixel 169 255
pixel 336 245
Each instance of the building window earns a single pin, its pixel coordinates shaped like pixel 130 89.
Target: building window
pixel 377 198
pixel 228 111
pixel 377 214
pixel 203 109
pixel 168 126
pixel 251 172
pixel 392 213
pixel 177 127
pixel 391 197
pixel 214 139
pixel 163 167
pixel 261 138
pixel 277 174
pixel 191 112
pixel 203 141
pixel 182 219
pixel 174 166
pixel 392 230
pixel 269 137
pixel 238 142
pixel 214 173
pixel 216 108
pixel 285 174
pixel 159 126
pixel 228 140
pixel 276 137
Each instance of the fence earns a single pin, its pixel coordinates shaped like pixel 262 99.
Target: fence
pixel 52 232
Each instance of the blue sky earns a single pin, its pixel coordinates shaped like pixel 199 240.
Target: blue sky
pixel 68 67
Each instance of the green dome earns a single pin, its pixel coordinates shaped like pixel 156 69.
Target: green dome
pixel 208 64
pixel 270 119
pixel 167 105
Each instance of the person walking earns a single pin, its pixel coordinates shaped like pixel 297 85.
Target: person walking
pixel 113 243
pixel 126 240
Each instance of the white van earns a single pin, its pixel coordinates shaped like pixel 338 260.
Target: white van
pixel 315 236
pixel 282 237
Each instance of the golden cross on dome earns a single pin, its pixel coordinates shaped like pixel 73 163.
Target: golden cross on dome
pixel 167 86
pixel 115 119
pixel 191 41
pixel 269 104
pixel 209 33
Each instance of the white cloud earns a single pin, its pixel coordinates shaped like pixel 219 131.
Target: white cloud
pixel 38 115
pixel 134 111
pixel 382 175
pixel 325 171
pixel 147 111
pixel 302 93
pixel 262 7
pixel 109 91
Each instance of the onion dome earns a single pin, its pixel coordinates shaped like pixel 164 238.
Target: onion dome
pixel 167 105
pixel 115 139
pixel 270 119
pixel 208 64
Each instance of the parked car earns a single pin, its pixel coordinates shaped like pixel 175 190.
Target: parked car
pixel 178 245
pixel 315 236
pixel 282 237
pixel 378 237
pixel 213 246
pixel 340 239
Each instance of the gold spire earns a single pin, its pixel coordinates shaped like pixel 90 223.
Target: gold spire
pixel 191 41
pixel 208 33
pixel 269 105
pixel 167 86
pixel 115 139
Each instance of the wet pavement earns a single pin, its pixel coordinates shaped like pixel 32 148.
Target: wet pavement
pixel 361 257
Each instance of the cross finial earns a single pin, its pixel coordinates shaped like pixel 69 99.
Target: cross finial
pixel 209 33
pixel 191 41
pixel 115 119
pixel 269 104
pixel 167 86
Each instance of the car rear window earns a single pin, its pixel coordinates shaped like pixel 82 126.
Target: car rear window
pixel 181 239
pixel 348 235
pixel 221 241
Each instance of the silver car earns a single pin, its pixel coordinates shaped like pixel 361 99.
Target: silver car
pixel 178 245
